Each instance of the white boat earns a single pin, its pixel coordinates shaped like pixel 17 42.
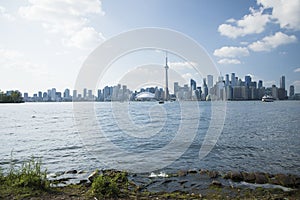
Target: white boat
pixel 267 98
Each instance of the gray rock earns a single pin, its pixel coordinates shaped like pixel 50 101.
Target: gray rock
pixel 261 178
pixel 216 183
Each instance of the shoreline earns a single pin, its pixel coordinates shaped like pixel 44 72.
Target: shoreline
pixel 185 184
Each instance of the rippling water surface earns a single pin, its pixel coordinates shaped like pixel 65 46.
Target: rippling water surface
pixel 256 136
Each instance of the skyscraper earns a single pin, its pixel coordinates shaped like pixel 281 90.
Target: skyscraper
pixel 227 80
pixel 282 82
pixel 210 81
pixel 292 90
pixel 247 80
pixel 193 85
pixel 232 79
pixel 167 88
pixel 260 84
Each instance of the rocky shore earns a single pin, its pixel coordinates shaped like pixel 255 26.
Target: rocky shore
pixel 190 184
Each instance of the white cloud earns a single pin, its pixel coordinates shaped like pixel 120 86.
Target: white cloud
pixel 88 38
pixel 231 52
pixel 271 42
pixel 7 54
pixel 255 22
pixel 66 17
pixel 227 61
pixel 286 13
pixel 5 14
pixel 297 70
pixel 182 65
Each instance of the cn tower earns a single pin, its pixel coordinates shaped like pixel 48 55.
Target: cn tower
pixel 167 88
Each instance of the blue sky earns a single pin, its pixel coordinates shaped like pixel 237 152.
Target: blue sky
pixel 44 43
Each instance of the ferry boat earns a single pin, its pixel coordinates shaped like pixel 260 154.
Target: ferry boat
pixel 267 98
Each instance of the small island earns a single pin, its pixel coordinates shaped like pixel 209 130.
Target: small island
pixel 11 97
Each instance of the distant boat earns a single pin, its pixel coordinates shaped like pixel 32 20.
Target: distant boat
pixel 161 102
pixel 267 98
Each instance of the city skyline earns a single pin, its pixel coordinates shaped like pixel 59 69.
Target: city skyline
pixel 223 88
pixel 43 44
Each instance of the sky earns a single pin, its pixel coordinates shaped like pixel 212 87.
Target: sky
pixel 43 43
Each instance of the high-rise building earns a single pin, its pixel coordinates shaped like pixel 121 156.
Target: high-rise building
pixel 227 80
pixel 193 85
pixel 205 88
pixel 260 84
pixel 233 79
pixel 74 95
pixel 247 80
pixel 292 90
pixel 53 94
pixel 282 82
pixel 67 93
pixel 176 87
pixel 210 81
pixel 84 93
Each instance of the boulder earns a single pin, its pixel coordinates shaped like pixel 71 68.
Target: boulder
pixel 248 177
pixel 235 176
pixel 213 174
pixel 261 178
pixel 286 180
pixel 216 183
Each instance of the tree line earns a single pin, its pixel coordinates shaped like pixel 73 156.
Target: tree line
pixel 11 97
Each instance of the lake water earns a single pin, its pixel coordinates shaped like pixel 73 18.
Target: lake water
pixel 255 136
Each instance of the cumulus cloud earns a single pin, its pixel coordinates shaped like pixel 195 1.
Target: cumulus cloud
pixel 227 61
pixel 182 65
pixel 4 14
pixel 66 17
pixel 255 22
pixel 231 52
pixel 271 42
pixel 297 70
pixel 286 13
pixel 85 38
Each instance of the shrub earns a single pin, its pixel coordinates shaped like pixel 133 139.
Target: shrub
pixel 29 175
pixel 105 186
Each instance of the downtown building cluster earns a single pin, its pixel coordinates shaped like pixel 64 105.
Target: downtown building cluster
pixel 230 88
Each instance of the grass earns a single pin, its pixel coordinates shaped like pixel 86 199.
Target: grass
pixel 111 184
pixel 26 180
pixel 29 181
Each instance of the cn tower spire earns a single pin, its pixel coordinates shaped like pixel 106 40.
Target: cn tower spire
pixel 167 88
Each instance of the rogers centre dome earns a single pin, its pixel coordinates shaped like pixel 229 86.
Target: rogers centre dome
pixel 145 96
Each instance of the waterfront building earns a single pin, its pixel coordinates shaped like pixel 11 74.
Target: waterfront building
pixel 53 94
pixel 205 88
pixel 193 85
pixel 282 82
pixel 281 94
pixel 210 81
pixel 274 91
pixel 292 91
pixel 247 80
pixel 84 93
pixel 260 84
pixel 233 79
pixel 227 80
pixel 74 95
